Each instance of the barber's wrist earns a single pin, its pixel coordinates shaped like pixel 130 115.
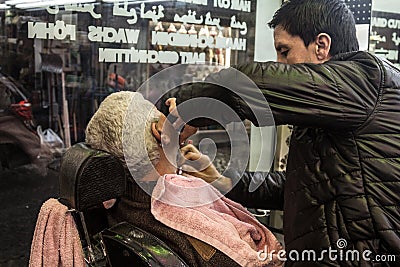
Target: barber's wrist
pixel 223 184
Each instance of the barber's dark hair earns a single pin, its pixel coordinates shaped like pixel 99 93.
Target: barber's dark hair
pixel 308 18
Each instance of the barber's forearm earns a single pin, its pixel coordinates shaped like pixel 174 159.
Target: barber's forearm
pixel 223 184
pixel 225 96
pixel 206 103
pixel 269 194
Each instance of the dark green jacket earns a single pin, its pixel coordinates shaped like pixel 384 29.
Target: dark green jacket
pixel 343 171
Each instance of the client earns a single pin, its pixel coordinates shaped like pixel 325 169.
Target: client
pixel 130 127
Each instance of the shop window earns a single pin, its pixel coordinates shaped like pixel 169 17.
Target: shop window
pixel 98 43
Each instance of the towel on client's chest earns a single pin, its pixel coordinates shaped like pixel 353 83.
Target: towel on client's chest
pixel 192 206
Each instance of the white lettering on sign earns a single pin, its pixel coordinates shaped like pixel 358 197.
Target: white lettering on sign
pixel 241 5
pixel 212 21
pixel 393 55
pixel 189 18
pixel 75 7
pixel 111 35
pixel 202 41
pixel 395 39
pixel 123 11
pixel 152 14
pixel 234 43
pixel 378 22
pixel 239 25
pixel 389 54
pixel 179 39
pixel 222 3
pixel 394 23
pixel 59 30
pixel 137 56
pixel 192 58
pixel 196 2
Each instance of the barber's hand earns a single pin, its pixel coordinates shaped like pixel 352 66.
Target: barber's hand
pixel 199 165
pixel 193 162
pixel 187 130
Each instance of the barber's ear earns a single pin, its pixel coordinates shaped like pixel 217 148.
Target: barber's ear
pixel 156 133
pixel 323 47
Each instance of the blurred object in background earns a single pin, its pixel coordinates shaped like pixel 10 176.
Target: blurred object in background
pixel 115 86
pixel 19 143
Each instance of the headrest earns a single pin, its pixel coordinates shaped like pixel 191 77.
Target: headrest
pixel 89 176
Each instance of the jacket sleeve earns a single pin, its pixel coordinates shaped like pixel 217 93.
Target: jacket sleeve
pixel 268 195
pixel 336 94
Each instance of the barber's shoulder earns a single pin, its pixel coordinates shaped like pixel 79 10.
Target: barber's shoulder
pixel 354 56
pixel 252 67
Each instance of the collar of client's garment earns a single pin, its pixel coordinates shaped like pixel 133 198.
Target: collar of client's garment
pixel 138 193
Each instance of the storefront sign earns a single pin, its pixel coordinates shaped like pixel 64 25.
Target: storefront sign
pixel 172 38
pixel 241 5
pixel 58 30
pixel 385 35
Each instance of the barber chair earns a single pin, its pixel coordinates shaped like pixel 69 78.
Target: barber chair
pixel 87 178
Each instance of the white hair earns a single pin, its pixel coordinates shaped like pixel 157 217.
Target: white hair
pixel 122 127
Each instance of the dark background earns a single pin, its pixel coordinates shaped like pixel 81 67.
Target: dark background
pixel 22 192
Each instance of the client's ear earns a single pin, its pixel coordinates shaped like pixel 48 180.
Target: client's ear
pixel 155 132
pixel 163 139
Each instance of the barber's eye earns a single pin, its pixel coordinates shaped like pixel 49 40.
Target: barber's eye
pixel 284 53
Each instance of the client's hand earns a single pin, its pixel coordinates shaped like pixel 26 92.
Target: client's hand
pixel 194 163
pixel 187 130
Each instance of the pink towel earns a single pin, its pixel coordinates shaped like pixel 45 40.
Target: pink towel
pixel 192 206
pixel 56 240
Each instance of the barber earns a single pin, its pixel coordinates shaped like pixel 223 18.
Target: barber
pixel 343 171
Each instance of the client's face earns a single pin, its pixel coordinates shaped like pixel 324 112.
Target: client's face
pixel 170 140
